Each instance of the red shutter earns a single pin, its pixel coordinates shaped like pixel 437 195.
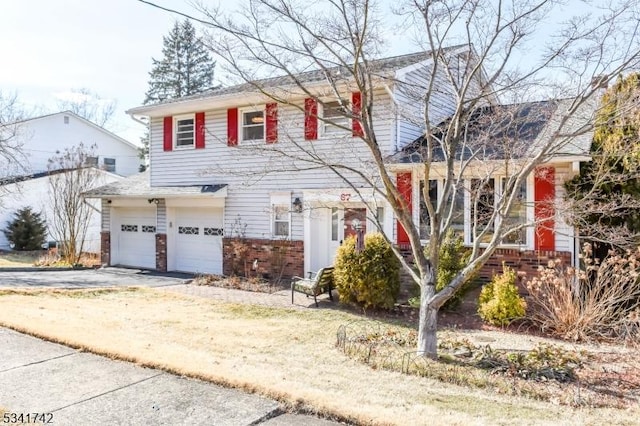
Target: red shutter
pixel 310 119
pixel 271 112
pixel 232 126
pixel 167 144
pixel 356 108
pixel 199 130
pixel 403 183
pixel 544 197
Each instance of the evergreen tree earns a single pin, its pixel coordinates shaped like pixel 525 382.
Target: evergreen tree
pixel 27 230
pixel 185 68
pixel 608 187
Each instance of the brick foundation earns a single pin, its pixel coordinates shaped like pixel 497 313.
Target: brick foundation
pixel 105 248
pixel 161 252
pixel 275 258
pixel 525 263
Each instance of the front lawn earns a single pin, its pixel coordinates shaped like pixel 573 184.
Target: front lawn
pixel 282 353
pixel 17 259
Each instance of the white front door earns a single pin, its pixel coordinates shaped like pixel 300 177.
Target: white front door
pixel 134 237
pixel 198 240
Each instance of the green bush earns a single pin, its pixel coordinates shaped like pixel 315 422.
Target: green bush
pixel 370 277
pixel 500 302
pixel 453 257
pixel 27 230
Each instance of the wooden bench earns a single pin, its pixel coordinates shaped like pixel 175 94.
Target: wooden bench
pixel 315 285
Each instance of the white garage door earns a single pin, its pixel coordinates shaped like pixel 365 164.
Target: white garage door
pixel 199 240
pixel 136 237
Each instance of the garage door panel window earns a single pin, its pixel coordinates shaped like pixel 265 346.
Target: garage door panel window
pixel 149 228
pixel 188 230
pixel 215 232
pixel 129 228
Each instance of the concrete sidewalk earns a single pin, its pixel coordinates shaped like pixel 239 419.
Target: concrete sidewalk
pixel 71 388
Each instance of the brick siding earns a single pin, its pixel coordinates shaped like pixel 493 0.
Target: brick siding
pixel 105 248
pixel 161 252
pixel 275 258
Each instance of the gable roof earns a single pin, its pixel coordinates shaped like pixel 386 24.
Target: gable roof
pixel 379 67
pixel 498 132
pixel 83 120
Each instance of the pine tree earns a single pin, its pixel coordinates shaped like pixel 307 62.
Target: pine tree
pixel 185 68
pixel 27 230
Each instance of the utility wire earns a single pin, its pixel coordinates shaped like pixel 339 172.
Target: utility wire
pixel 177 12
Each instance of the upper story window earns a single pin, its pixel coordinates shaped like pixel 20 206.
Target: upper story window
pixel 109 164
pixel 91 161
pixel 252 125
pixel 185 131
pixel 335 117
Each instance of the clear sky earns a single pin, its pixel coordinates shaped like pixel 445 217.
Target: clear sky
pixel 50 47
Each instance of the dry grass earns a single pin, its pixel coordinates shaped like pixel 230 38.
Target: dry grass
pixel 14 259
pixel 285 354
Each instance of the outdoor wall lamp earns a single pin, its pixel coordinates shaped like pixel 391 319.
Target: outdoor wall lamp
pixel 153 200
pixel 297 205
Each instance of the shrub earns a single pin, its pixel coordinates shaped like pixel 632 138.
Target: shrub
pixel 500 302
pixel 453 257
pixel 370 277
pixel 599 300
pixel 27 230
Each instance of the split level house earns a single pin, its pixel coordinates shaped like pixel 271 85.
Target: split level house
pixel 231 165
pixel 25 179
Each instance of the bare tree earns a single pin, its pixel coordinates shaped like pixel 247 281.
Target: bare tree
pixel 72 173
pixel 89 105
pixel 484 63
pixel 12 160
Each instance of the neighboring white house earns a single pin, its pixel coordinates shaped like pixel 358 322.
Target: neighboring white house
pixel 217 173
pixel 47 136
pixel 35 193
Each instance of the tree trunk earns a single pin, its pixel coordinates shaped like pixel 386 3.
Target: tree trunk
pixel 428 323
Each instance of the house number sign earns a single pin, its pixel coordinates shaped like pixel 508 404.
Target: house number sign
pixel 345 196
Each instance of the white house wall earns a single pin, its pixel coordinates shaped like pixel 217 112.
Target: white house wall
pixel 35 193
pixel 253 172
pixel 46 136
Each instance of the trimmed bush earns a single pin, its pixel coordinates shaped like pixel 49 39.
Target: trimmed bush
pixel 27 230
pixel 500 302
pixel 370 277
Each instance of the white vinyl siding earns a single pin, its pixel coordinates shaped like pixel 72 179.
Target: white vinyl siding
pixel 262 173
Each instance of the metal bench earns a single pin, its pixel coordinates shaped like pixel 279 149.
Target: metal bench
pixel 315 285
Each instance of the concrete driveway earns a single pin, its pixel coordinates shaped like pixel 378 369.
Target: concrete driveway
pixel 104 277
pixel 68 387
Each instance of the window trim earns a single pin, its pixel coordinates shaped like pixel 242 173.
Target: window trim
pixel 281 199
pixel 324 125
pixel 183 117
pixel 241 113
pixel 106 166
pixel 498 179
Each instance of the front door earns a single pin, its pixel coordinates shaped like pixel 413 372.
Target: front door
pixel 355 219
